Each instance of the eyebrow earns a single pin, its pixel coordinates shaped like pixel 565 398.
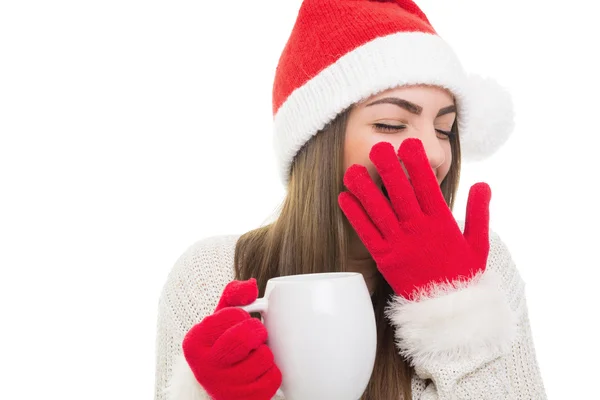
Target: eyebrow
pixel 411 107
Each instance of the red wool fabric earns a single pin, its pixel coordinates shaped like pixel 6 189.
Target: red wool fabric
pixel 413 237
pixel 325 30
pixel 340 52
pixel 227 350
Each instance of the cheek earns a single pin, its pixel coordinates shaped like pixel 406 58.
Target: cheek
pixel 357 152
pixel 357 147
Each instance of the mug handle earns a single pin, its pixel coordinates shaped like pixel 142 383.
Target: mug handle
pixel 260 305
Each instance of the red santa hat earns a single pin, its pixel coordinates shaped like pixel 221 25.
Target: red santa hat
pixel 343 51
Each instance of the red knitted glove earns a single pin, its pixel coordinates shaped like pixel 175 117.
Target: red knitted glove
pixel 413 237
pixel 227 350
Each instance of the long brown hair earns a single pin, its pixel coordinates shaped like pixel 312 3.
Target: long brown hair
pixel 311 235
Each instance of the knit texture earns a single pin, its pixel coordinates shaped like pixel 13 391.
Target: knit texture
pixel 361 22
pixel 199 276
pixel 341 52
pixel 412 235
pixel 227 350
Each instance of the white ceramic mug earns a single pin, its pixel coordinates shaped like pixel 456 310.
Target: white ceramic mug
pixel 322 334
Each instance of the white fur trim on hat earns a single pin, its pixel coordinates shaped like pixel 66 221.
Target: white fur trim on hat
pixel 386 62
pixel 183 383
pixel 454 321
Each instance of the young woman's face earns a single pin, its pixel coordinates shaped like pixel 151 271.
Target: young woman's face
pixel 423 112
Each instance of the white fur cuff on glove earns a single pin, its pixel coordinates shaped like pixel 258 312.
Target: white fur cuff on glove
pixel 183 384
pixel 454 321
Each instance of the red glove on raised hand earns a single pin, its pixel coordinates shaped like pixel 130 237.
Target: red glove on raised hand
pixel 413 237
pixel 227 350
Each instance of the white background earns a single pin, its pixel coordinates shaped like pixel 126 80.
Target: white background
pixel 131 129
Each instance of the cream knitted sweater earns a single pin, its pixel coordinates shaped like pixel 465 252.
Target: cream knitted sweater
pixel 466 340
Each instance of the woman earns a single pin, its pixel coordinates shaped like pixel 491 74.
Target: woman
pixel 372 112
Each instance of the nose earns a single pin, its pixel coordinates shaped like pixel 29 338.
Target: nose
pixel 433 148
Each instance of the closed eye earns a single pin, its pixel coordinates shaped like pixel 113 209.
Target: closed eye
pixel 447 134
pixel 395 128
pixel 388 128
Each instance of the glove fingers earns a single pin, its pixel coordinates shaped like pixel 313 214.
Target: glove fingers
pixel 236 343
pixel 422 178
pixel 210 329
pixel 265 387
pixel 399 189
pixel 477 218
pixel 360 221
pixel 361 185
pixel 255 378
pixel 238 293
pixel 254 366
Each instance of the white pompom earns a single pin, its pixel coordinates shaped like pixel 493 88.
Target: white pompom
pixel 488 118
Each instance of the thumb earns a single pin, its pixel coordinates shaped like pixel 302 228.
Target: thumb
pixel 238 293
pixel 477 220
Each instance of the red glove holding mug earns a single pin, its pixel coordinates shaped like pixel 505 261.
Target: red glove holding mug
pixel 413 237
pixel 227 350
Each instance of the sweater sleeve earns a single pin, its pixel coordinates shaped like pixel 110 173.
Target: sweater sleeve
pixel 190 293
pixel 471 339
